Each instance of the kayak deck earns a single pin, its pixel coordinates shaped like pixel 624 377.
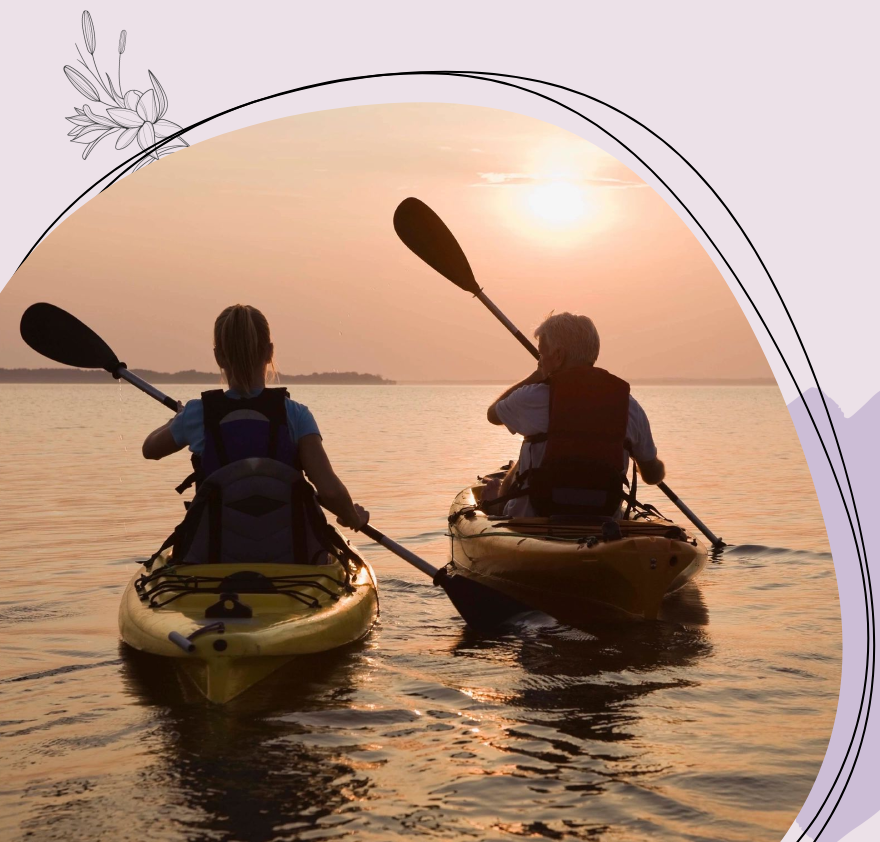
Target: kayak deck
pixel 231 625
pixel 566 568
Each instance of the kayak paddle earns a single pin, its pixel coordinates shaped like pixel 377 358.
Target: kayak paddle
pixel 481 607
pixel 425 234
pixel 61 337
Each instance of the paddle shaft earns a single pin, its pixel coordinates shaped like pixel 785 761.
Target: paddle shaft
pixel 124 374
pixel 480 606
pixel 517 333
pixel 677 501
pixel 716 542
pixel 394 547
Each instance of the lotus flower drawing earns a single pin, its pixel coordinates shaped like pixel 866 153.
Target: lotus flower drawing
pixel 134 115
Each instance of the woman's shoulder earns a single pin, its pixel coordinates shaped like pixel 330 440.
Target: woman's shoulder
pixel 297 407
pixel 186 427
pixel 193 407
pixel 301 419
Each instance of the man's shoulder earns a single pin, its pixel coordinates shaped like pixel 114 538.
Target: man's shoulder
pixel 635 405
pixel 533 393
pixel 526 410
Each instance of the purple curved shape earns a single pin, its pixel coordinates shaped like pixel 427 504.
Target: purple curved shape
pixel 860 800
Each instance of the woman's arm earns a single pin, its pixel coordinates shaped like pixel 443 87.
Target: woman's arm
pixel 651 471
pixel 334 495
pixel 160 443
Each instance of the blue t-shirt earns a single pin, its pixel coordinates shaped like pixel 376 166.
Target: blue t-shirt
pixel 188 426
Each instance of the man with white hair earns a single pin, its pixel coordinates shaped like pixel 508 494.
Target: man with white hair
pixel 580 425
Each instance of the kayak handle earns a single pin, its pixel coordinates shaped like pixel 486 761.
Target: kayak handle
pixel 186 643
pixel 183 642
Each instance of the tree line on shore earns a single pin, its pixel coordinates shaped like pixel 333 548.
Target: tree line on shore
pixel 78 375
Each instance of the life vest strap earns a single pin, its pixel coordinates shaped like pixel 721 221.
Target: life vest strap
pixel 188 482
pixel 298 523
pixel 214 410
pixel 215 523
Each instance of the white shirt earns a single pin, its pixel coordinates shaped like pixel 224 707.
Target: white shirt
pixel 527 412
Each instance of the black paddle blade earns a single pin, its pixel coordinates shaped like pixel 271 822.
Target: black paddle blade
pixel 424 233
pixel 480 606
pixel 56 334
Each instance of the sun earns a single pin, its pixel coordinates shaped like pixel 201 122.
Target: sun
pixel 557 203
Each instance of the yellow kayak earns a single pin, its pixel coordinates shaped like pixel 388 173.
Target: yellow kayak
pixel 231 625
pixel 568 569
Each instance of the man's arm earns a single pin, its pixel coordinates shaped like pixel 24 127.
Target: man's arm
pixel 643 449
pixel 509 477
pixel 492 414
pixel 497 488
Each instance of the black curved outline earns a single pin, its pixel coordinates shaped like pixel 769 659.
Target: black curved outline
pixel 863 566
pixel 483 76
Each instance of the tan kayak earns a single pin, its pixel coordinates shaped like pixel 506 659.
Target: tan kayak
pixel 229 626
pixel 566 568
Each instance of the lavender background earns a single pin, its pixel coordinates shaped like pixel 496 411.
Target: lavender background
pixel 767 100
pixel 860 799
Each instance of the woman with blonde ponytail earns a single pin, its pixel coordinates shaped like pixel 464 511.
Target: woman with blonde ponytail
pixel 248 420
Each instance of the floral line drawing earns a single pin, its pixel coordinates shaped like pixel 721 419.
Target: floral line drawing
pixel 134 115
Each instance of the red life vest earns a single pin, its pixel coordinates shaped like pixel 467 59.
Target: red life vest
pixel 581 472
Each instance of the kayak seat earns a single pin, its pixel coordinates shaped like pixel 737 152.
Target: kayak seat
pixel 575 487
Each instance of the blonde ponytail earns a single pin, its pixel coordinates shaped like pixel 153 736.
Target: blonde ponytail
pixel 243 345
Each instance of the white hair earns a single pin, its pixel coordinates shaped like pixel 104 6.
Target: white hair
pixel 577 335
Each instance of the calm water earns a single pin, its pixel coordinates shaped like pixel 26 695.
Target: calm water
pixel 709 725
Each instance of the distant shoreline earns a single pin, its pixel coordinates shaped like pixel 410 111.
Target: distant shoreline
pixel 78 375
pixel 326 378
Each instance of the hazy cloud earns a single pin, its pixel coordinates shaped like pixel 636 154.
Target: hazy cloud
pixel 508 179
pixel 614 183
pixel 493 179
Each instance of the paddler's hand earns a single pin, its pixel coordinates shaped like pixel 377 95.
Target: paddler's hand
pixel 537 376
pixel 357 518
pixel 491 489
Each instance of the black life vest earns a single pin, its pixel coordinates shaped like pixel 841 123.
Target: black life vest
pixel 581 472
pixel 253 503
pixel 244 428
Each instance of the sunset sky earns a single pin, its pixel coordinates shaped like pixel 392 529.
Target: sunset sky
pixel 294 217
